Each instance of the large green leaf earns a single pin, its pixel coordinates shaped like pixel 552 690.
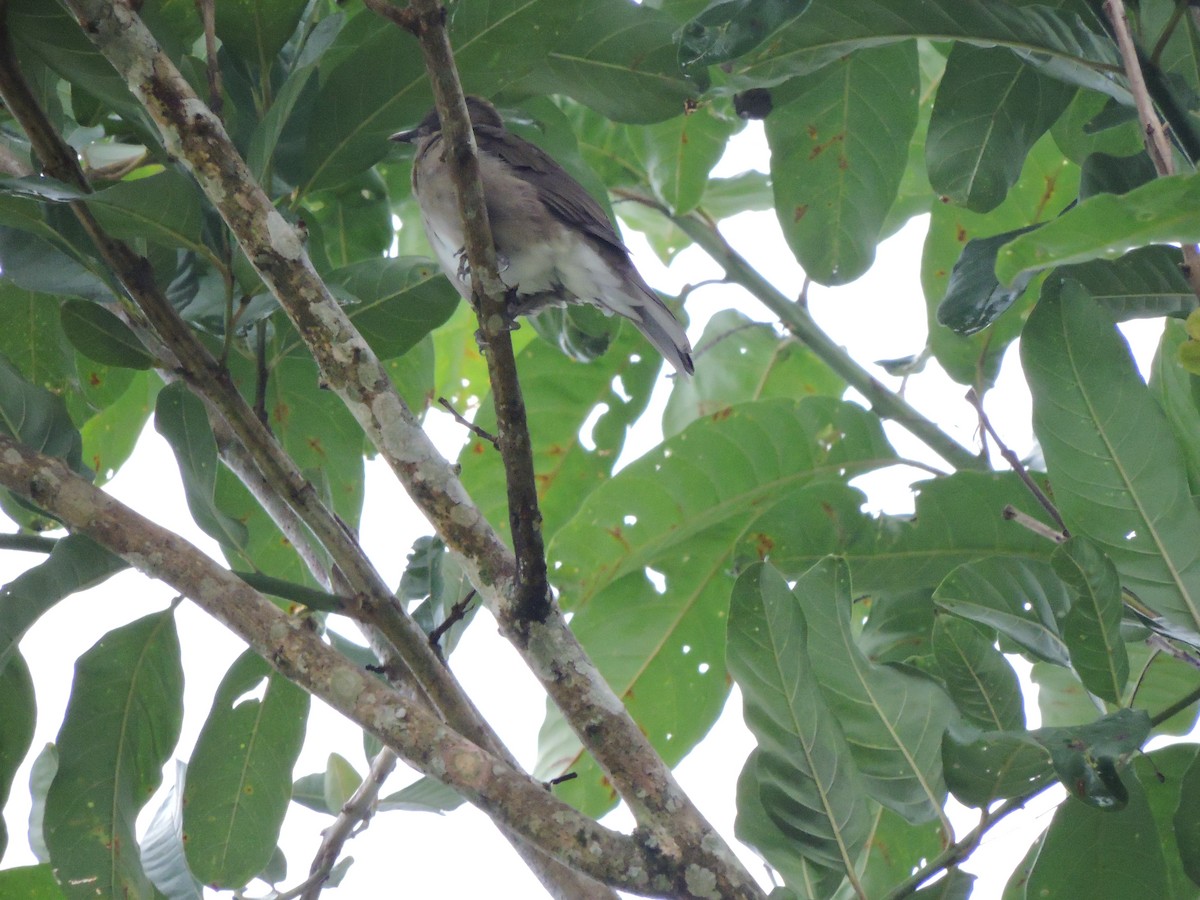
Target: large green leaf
pixel 1187 821
pixel 679 153
pixel 892 719
pixel 239 780
pixel 646 563
pixel 255 30
pixel 978 677
pixel 620 60
pixel 809 784
pixel 982 767
pixel 180 418
pixel 991 108
pixel 398 302
pixel 1021 599
pixel 18 712
pixel 38 419
pixel 830 29
pixel 1099 854
pixel 30 883
pixel 728 29
pixel 1109 225
pixel 75 564
pixel 1091 628
pixel 1177 390
pixel 1143 283
pixel 122 722
pixel 1168 776
pixel 101 336
pixel 742 360
pixel 958 519
pixel 1116 469
pixel 33 341
pixel 1048 183
pixel 839 146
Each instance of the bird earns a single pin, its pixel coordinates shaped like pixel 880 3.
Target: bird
pixel 555 244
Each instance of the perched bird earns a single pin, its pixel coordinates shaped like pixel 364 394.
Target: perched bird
pixel 554 243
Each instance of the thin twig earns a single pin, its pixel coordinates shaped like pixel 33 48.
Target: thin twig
pixel 1158 642
pixel 468 424
pixel 960 850
pixel 1158 145
pixel 457 612
pixel 1015 462
pixel 352 818
pixel 1175 708
pixel 212 68
pixel 1012 514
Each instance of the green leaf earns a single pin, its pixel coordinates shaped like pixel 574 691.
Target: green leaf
pixel 809 785
pixel 728 29
pixel 122 722
pixel 33 340
pixel 36 263
pixel 1107 226
pixel 839 146
pixel 956 885
pixel 18 712
pixel 979 679
pixel 110 435
pixel 567 400
pixel 38 419
pixel 162 848
pixel 1021 599
pixel 626 564
pixel 831 29
pixel 30 883
pixel 620 60
pixel 753 826
pixel 1177 390
pixel 974 297
pixel 341 781
pixel 256 30
pixel 1086 757
pixel 423 795
pixel 679 153
pixel 1165 775
pixel 1143 283
pixel 982 767
pixel 1091 628
pixel 743 361
pixel 400 300
pixel 353 222
pixel 1187 821
pixel 180 418
pixel 1123 855
pixel 1048 183
pixel 991 108
pixel 75 564
pixel 892 719
pixel 1104 174
pixel 958 519
pixel 1117 473
pixel 239 781
pixel 101 336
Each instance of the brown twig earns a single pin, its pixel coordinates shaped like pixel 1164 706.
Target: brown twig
pixel 212 68
pixel 1158 145
pixel 1012 514
pixel 1015 463
pixel 352 818
pixel 418 736
pixel 457 612
pixel 468 424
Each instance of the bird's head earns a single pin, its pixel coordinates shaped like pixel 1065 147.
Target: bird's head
pixel 480 111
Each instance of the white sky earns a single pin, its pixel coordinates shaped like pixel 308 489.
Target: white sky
pixel 461 855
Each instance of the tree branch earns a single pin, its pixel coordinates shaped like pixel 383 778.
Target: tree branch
pixel 192 134
pixel 297 651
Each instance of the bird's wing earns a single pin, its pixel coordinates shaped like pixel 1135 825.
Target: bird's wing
pixel 565 197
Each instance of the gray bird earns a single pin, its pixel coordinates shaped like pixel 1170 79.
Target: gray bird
pixel 554 243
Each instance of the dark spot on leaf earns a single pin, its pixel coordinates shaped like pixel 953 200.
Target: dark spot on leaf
pixel 799 212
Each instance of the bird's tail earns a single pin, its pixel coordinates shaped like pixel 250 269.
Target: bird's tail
pixel 663 330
